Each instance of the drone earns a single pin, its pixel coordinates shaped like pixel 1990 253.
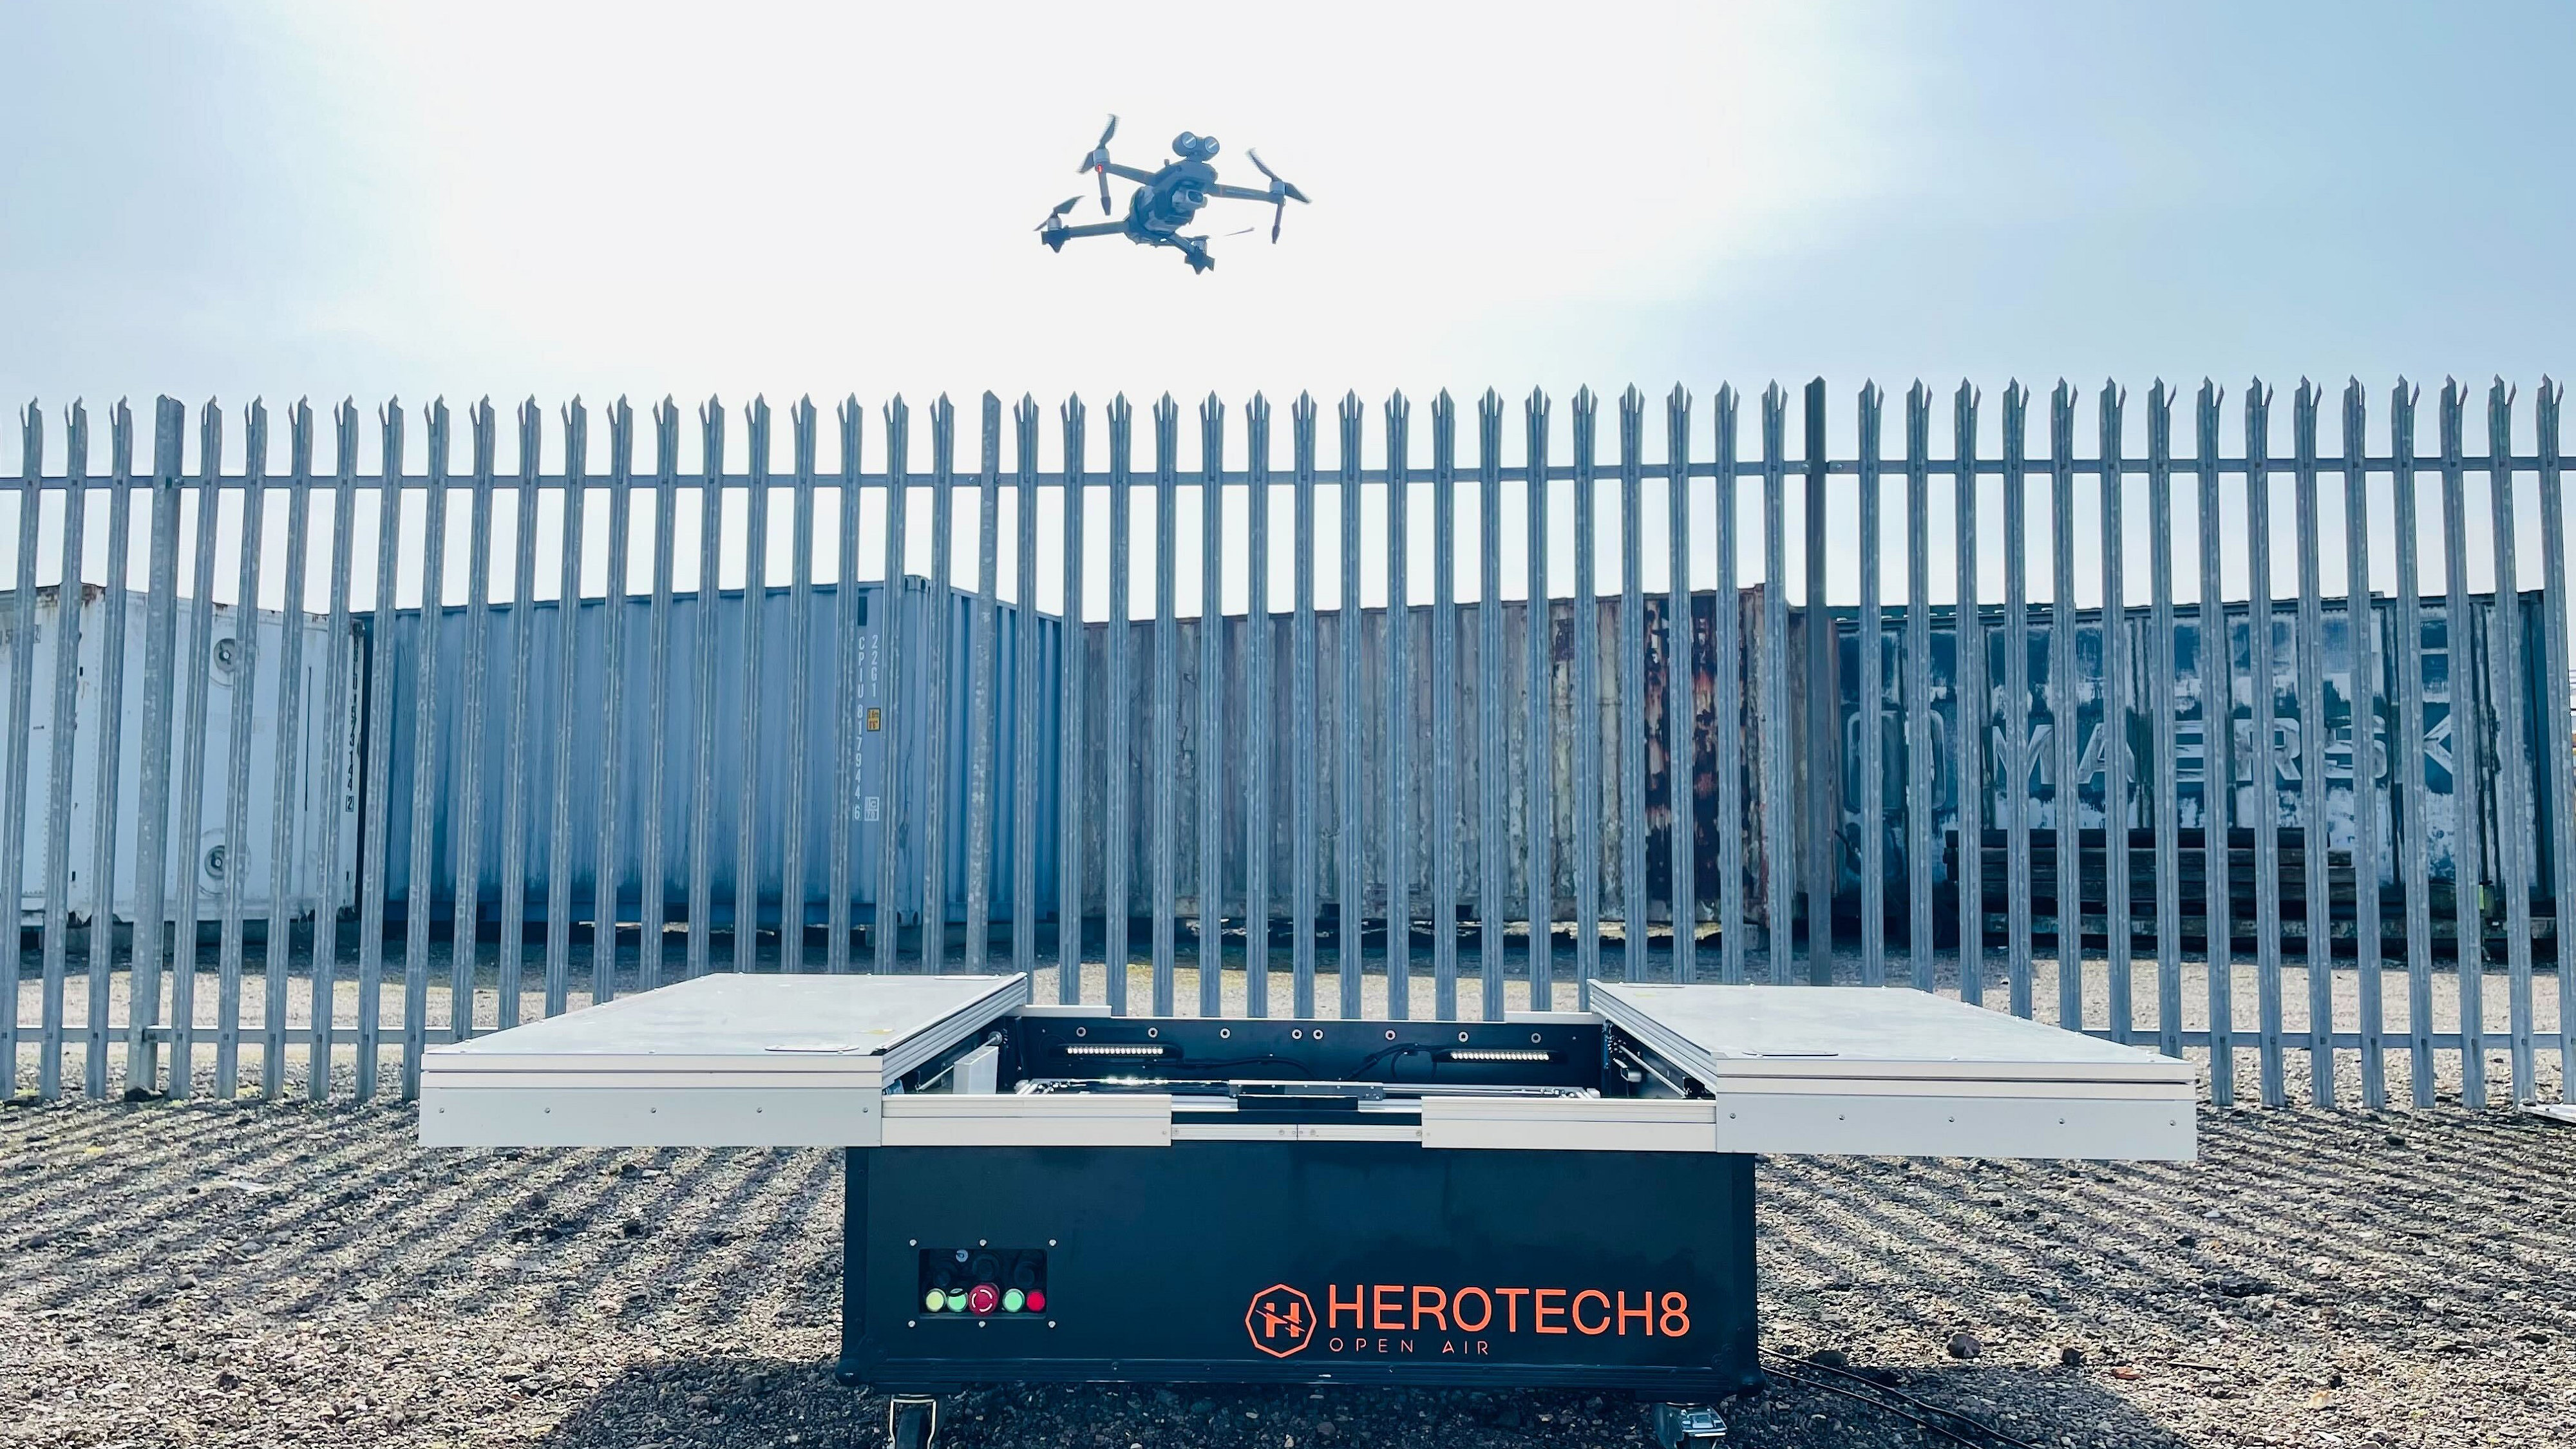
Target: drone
pixel 1166 200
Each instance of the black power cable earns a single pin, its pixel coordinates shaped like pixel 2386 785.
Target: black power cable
pixel 1950 1424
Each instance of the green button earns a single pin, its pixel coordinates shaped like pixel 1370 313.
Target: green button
pixel 934 1300
pixel 957 1301
pixel 1012 1300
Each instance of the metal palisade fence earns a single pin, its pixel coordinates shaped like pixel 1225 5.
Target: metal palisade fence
pixel 400 743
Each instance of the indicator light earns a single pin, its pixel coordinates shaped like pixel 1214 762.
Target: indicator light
pixel 957 1300
pixel 1493 1054
pixel 934 1300
pixel 1141 1049
pixel 984 1299
pixel 1014 1300
pixel 1036 1301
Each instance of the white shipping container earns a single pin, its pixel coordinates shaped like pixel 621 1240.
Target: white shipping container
pixel 205 860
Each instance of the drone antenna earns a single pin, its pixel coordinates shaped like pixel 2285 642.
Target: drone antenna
pixel 1281 193
pixel 1098 162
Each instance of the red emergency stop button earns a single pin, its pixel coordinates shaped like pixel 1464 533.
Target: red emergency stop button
pixel 983 1298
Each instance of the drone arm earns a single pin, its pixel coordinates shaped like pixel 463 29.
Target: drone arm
pixel 1242 193
pixel 1128 173
pixel 1102 228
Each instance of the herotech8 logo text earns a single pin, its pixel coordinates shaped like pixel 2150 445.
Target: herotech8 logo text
pixel 1450 1320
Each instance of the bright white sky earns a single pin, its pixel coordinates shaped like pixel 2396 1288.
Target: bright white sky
pixel 530 199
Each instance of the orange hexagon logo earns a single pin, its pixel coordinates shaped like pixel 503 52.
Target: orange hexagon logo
pixel 1281 1320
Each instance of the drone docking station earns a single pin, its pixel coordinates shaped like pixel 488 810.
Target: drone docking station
pixel 1168 199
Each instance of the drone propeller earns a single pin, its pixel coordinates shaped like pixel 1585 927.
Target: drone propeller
pixel 1281 193
pixel 1055 218
pixel 1098 162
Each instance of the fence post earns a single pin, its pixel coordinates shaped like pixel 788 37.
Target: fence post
pixel 70 600
pixel 1681 691
pixel 2016 762
pixel 1583 714
pixel 2065 721
pixel 1538 748
pixel 1631 714
pixel 1779 809
pixel 192 749
pixel 105 791
pixel 2361 628
pixel 2162 697
pixel 1824 710
pixel 608 869
pixel 2554 741
pixel 2507 691
pixel 22 679
pixel 1869 700
pixel 1069 755
pixel 1733 922
pixel 2314 903
pixel 1394 711
pixel 2459 635
pixel 2414 854
pixel 1212 733
pixel 2117 943
pixel 1260 713
pixel 2218 773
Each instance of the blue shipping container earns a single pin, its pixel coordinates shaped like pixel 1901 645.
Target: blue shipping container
pixel 783 799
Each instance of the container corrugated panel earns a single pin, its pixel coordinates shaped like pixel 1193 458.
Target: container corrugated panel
pixel 783 803
pixel 2296 746
pixel 1219 755
pixel 210 856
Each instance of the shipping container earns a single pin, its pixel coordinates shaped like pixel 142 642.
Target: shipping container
pixel 212 855
pixel 783 798
pixel 2456 772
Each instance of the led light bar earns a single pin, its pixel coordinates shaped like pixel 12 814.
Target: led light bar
pixel 1104 1049
pixel 1494 1054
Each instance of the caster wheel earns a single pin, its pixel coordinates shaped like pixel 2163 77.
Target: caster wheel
pixel 911 1422
pixel 1688 1426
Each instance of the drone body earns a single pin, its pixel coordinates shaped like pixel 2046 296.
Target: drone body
pixel 1166 200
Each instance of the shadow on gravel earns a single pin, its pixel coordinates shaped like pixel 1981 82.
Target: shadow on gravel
pixel 718 1403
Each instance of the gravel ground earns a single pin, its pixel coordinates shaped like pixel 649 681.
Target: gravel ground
pixel 202 1273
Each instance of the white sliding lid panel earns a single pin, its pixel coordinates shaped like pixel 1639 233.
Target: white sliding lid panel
pixel 725 1060
pixel 1853 1070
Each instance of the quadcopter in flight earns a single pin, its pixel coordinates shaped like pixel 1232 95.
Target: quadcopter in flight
pixel 1166 200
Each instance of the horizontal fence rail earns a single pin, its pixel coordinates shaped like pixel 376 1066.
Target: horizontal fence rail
pixel 328 746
